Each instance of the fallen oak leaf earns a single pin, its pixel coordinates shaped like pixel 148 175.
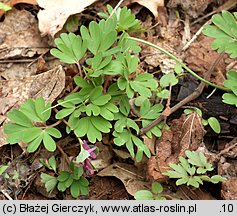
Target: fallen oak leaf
pixel 56 12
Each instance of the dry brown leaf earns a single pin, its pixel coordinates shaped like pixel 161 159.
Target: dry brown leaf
pixel 186 134
pixel 56 12
pixel 150 143
pixel 155 58
pixel 128 174
pixel 229 189
pixel 20 37
pixel 122 154
pixel 198 60
pixel 152 5
pixel 13 92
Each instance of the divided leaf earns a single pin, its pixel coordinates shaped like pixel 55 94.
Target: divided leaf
pixel 70 48
pixel 93 127
pixel 49 181
pixel 99 37
pixel 188 171
pixel 224 31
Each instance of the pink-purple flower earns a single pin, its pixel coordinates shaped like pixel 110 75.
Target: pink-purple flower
pixel 87 166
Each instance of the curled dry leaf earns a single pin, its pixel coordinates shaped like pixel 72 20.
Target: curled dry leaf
pixel 128 174
pixel 14 92
pixel 169 41
pixel 16 45
pixel 56 12
pixel 157 164
pixel 186 134
pixel 152 5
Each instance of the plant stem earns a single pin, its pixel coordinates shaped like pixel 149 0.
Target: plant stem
pixel 178 61
pixel 52 125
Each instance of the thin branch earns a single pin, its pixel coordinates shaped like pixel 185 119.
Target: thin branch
pixel 116 7
pixel 52 125
pixel 79 69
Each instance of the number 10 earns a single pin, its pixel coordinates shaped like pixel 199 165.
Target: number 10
pixel 228 207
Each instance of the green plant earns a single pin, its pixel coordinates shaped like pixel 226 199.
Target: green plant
pixel 126 21
pixel 70 48
pixel 12 175
pixel 224 31
pixel 91 110
pixel 5 7
pixel 192 171
pixel 50 163
pixel 211 121
pixel 28 124
pixel 154 194
pixel 231 83
pixel 49 181
pixel 74 178
pixel 3 169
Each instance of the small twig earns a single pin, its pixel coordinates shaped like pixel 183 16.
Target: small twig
pixel 214 90
pixel 34 60
pixel 186 100
pixel 226 150
pixel 186 35
pixel 6 195
pixel 63 153
pixel 52 125
pixel 194 37
pixel 56 111
pixel 58 146
pixel 79 69
pixel 116 7
pixel 32 178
